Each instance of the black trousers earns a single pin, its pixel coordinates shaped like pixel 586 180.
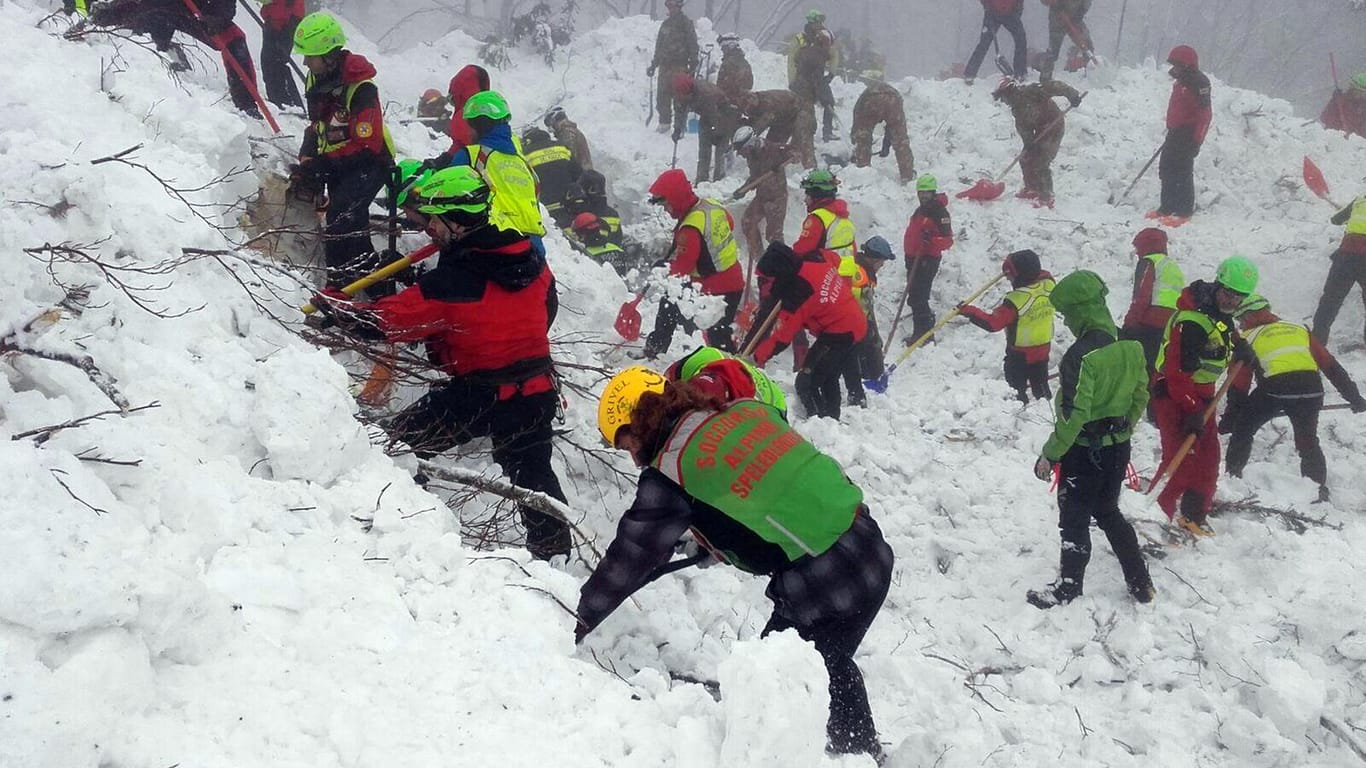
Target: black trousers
pixel 918 298
pixel 347 247
pixel 850 728
pixel 520 428
pixel 1088 489
pixel 1257 410
pixel 275 49
pixel 1348 270
pixel 1026 378
pixel 1176 170
pixel 990 24
pixel 818 382
pixel 865 362
pixel 669 318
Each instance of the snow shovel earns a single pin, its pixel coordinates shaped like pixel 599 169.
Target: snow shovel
pixel 879 384
pixel 990 189
pixel 628 317
pixel 1313 178
pixel 383 273
pixel 901 308
pixel 1001 62
pixel 247 82
pixel 1342 116
pixel 1189 442
pixel 1113 200
pixel 762 332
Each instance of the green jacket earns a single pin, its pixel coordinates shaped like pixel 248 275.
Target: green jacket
pixel 1104 381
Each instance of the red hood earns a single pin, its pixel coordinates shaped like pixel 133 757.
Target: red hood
pixel 471 79
pixel 673 186
pixel 357 69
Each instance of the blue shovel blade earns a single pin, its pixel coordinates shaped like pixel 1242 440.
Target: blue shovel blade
pixel 879 385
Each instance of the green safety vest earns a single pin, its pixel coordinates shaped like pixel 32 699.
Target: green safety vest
pixel 764 389
pixel 839 237
pixel 1282 347
pixel 1218 345
pixel 513 204
pixel 321 127
pixel 1034 313
pixel 1356 225
pixel 709 218
pixel 1167 280
pixel 601 252
pixel 746 462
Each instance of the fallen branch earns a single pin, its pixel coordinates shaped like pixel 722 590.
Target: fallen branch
pixel 1340 729
pixel 43 434
pixel 56 475
pixel 1292 520
pixel 86 363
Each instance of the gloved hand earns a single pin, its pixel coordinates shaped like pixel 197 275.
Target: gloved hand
pixel 1077 101
pixel 1193 423
pixel 1043 469
pixel 1359 405
pixel 1225 424
pixel 677 134
pixel 215 25
pixel 650 70
pixel 436 163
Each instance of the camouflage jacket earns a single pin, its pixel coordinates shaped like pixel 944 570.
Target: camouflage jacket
pixel 763 109
pixel 676 44
pixel 707 101
pixel 567 133
pixel 735 76
pixel 1033 108
pixel 877 102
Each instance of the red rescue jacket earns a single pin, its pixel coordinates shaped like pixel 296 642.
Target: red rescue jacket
pixel 279 14
pixel 361 135
pixel 829 307
pixel 1188 110
pixel 930 231
pixel 471 79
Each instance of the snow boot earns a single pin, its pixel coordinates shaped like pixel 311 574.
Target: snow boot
pixel 1324 495
pixel 1060 592
pixel 1027 194
pixel 1143 593
pixel 1192 517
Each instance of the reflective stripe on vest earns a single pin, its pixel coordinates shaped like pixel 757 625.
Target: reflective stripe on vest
pixel 547 155
pixel 747 463
pixel 1218 345
pixel 1034 313
pixel 1167 280
pixel 341 121
pixel 1282 347
pixel 513 204
pixel 709 218
pixel 839 237
pixel 1356 225
pixel 600 251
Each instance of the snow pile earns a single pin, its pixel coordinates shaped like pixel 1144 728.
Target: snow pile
pixel 265 587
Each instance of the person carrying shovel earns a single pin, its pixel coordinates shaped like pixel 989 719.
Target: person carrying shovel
pixel 1041 125
pixel 928 235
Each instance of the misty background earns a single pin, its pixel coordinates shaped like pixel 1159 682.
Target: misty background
pixel 1279 47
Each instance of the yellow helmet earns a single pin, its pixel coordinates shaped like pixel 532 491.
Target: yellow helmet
pixel 619 399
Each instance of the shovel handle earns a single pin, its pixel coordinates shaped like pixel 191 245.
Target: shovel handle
pixel 951 315
pixel 384 272
pixel 760 334
pixel 1189 442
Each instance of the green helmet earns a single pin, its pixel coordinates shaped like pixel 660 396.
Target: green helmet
pixel 458 189
pixel 698 360
pixel 926 183
pixel 1252 303
pixel 411 173
pixel 1238 274
pixel 490 104
pixel 318 34
pixel 1359 82
pixel 820 180
pixel 814 16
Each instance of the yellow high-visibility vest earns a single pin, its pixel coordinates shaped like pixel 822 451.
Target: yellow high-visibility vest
pixel 1034 313
pixel 839 237
pixel 1282 347
pixel 709 218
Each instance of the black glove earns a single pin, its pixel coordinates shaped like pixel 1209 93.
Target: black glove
pixel 324 317
pixel 1359 405
pixel 678 134
pixel 1076 102
pixel 650 70
pixel 1194 423
pixel 1242 351
pixel 436 163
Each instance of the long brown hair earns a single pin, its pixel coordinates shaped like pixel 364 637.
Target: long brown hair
pixel 656 413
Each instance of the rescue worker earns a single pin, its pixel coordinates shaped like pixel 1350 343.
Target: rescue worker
pixel 827 226
pixel 593 186
pixel 1101 395
pixel 1348 267
pixel 1026 315
pixel 1346 110
pixel 767 179
pixel 1289 364
pixel 1040 124
pixel 814 297
pixel 799 521
pixel 497 159
pixel 433 111
pixel 1157 285
pixel 485 312
pixel 1199 342
pixel 704 251
pixel 346 149
pixel 214 27
pixel 707 100
pixel 772 114
pixel 555 169
pixel 1066 18
pixel 592 236
pixel 881 103
pixel 810 55
pixel 279 19
pixel 675 53
pixel 713 372
pixel 567 132
pixel 928 234
pixel 735 77
pixel 869 365
pixel 471 79
pixel 1188 118
pixel 997 14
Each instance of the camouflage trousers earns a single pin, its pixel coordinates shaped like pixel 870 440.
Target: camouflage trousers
pixel 1037 166
pixel 894 135
pixel 769 209
pixel 664 96
pixel 804 131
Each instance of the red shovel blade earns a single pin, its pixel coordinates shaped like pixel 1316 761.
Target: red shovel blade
pixel 983 190
pixel 628 319
pixel 745 317
pixel 1313 178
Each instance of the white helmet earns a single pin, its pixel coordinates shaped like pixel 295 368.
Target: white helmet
pixel 744 136
pixel 728 41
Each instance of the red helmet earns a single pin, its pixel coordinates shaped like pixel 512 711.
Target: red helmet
pixel 683 83
pixel 430 95
pixel 1149 241
pixel 1185 56
pixel 586 221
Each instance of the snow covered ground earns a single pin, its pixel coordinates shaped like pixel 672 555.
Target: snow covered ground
pixel 220 603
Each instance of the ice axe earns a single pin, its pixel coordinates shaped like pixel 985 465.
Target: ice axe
pixel 1189 442
pixel 1313 178
pixel 1141 171
pixel 880 383
pixel 383 273
pixel 990 189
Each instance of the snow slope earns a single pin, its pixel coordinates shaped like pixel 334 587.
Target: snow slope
pixel 226 607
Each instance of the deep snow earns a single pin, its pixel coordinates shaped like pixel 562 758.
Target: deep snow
pixel 225 608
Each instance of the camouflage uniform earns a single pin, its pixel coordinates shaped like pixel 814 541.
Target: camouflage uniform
pixel 881 103
pixel 709 103
pixel 769 205
pixel 773 111
pixel 1033 108
pixel 735 77
pixel 675 52
pixel 1058 30
pixel 567 133
pixel 809 83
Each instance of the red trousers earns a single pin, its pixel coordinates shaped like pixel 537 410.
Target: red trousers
pixel 1198 473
